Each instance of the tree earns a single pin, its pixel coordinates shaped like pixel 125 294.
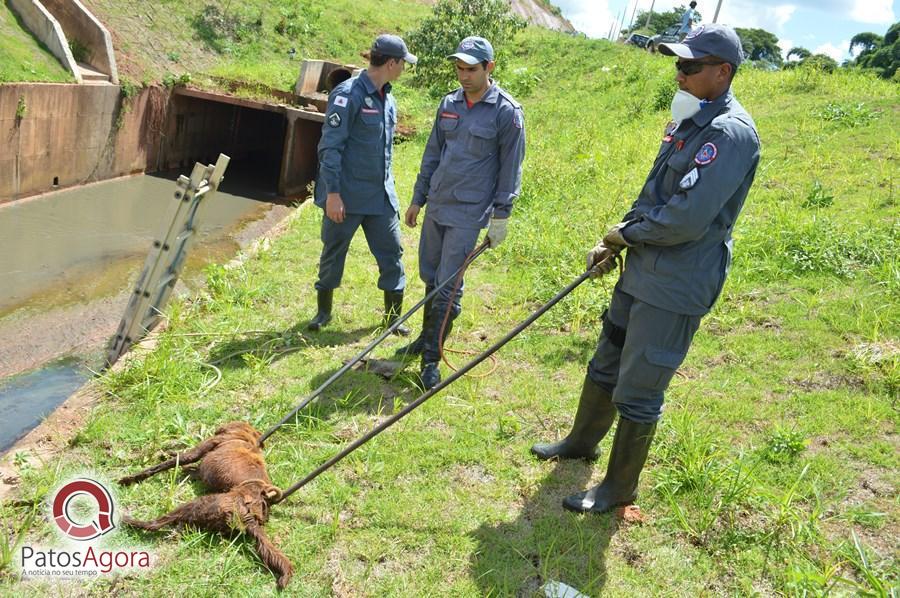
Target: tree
pixel 866 42
pixel 450 22
pixel 799 51
pixel 881 55
pixel 822 62
pixel 759 44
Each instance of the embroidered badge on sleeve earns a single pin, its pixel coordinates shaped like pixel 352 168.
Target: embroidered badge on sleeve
pixel 340 101
pixel 706 154
pixel 519 120
pixel 334 120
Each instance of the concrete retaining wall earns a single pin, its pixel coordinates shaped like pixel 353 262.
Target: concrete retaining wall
pixel 47 29
pixel 81 26
pixel 67 135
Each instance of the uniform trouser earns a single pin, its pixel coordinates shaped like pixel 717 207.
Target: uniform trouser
pixel 639 350
pixel 383 236
pixel 442 251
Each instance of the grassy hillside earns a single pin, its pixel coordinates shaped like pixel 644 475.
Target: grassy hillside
pixel 248 39
pixel 22 57
pixel 775 466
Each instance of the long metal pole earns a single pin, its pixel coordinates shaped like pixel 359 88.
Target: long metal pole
pixel 478 251
pixel 716 17
pixel 453 378
pixel 633 12
pixel 649 14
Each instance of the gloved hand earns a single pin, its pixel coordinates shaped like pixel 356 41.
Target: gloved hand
pixel 601 259
pixel 615 238
pixel 496 232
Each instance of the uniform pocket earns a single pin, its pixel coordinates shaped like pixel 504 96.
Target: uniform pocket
pixel 471 195
pixel 677 166
pixel 448 125
pixel 482 141
pixel 659 366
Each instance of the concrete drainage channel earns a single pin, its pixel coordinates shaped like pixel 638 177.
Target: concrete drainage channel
pixel 78 242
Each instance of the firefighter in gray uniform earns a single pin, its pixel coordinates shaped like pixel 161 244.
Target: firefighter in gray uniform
pixel 678 241
pixel 355 184
pixel 470 174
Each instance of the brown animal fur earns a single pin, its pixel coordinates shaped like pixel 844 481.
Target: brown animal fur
pixel 231 464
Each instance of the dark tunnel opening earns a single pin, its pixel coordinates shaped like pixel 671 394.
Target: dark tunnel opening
pixel 199 129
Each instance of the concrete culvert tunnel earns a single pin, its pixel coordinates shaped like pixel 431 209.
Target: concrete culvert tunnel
pixel 272 146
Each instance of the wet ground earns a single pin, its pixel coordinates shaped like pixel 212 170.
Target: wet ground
pixel 68 263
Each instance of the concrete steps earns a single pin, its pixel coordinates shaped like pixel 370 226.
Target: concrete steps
pixel 90 75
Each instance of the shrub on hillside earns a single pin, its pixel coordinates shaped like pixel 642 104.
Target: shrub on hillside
pixel 450 22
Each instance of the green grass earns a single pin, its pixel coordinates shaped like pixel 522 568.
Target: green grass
pixel 775 466
pixel 247 39
pixel 22 57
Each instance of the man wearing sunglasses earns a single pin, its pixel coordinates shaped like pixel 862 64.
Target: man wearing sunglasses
pixel 678 241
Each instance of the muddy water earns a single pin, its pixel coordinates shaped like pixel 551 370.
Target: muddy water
pixel 67 263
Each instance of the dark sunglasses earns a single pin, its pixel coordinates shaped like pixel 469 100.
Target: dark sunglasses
pixel 692 67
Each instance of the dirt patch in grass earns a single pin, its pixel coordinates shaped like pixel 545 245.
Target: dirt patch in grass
pixel 827 381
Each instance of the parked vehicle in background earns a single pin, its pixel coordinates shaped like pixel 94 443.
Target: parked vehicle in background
pixel 637 39
pixel 668 36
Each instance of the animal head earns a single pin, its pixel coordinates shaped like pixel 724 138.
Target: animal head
pixel 257 495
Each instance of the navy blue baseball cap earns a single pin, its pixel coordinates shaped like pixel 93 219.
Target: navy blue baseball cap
pixel 473 50
pixel 394 47
pixel 708 40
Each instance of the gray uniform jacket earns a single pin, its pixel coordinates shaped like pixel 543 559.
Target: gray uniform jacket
pixel 683 217
pixel 356 149
pixel 472 166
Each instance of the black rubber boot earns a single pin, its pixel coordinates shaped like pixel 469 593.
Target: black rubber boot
pixel 430 374
pixel 324 298
pixel 595 415
pixel 431 350
pixel 619 487
pixel 393 309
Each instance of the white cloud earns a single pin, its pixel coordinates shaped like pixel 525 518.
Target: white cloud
pixel 593 17
pixel 785 45
pixel 873 11
pixel 838 52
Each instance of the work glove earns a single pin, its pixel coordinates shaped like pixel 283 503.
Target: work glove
pixel 601 259
pixel 614 237
pixel 496 232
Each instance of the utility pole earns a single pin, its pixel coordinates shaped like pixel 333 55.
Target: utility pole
pixel 649 14
pixel 633 11
pixel 716 17
pixel 622 21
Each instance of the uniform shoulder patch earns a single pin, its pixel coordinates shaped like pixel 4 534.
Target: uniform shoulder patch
pixel 707 154
pixel 334 120
pixel 519 119
pixel 690 179
pixel 340 101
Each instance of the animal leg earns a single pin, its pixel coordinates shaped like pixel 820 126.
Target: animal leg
pixel 273 558
pixel 190 456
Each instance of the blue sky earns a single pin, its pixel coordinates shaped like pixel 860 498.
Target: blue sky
pixel 824 26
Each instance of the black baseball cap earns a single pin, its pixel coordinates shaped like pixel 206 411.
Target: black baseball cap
pixel 708 40
pixel 473 50
pixel 394 47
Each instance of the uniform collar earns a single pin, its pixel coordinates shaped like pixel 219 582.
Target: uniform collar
pixel 370 87
pixel 490 96
pixel 712 109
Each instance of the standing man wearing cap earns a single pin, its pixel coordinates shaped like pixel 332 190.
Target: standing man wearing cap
pixel 678 241
pixel 355 184
pixel 687 21
pixel 470 174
